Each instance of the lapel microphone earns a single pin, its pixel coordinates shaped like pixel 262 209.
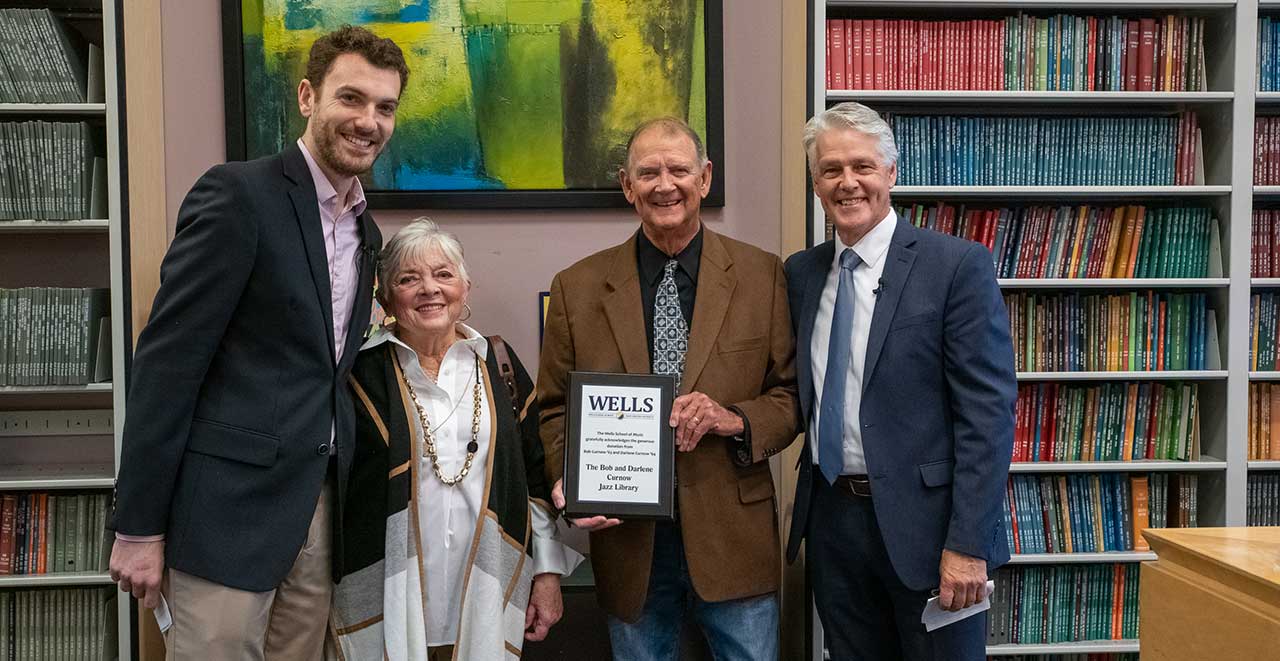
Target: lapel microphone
pixel 879 288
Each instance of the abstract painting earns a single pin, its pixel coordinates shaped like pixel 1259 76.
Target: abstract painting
pixel 510 103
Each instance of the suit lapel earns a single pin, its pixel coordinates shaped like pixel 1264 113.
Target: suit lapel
pixel 622 308
pixel 367 255
pixel 711 304
pixel 897 268
pixel 815 278
pixel 307 213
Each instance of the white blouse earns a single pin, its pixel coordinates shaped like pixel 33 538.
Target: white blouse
pixel 448 514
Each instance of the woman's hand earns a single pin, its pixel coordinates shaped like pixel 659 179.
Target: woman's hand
pixel 545 606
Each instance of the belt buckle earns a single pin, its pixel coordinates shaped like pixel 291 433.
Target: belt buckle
pixel 858 485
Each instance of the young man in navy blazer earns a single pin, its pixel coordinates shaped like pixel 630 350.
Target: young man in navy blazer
pixel 907 386
pixel 239 436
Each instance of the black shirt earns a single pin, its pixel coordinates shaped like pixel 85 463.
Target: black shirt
pixel 650 261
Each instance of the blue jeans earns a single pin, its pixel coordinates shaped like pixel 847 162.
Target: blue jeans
pixel 736 630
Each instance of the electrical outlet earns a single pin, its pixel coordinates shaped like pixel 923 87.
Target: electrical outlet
pixel 55 423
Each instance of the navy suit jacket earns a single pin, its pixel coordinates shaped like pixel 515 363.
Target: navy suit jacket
pixel 937 405
pixel 234 385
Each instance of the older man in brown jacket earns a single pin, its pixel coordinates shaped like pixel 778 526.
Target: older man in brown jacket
pixel 723 329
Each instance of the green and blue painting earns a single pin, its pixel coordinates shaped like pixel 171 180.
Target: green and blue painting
pixel 503 94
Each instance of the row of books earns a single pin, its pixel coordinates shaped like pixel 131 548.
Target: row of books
pixel 1081 241
pixel 1264 259
pixel 52 533
pixel 1063 603
pixel 1262 503
pixel 1268 57
pixel 1065 657
pixel 1094 512
pixel 1264 421
pixel 1133 421
pixel 1021 52
pixel 68 624
pixel 950 150
pixel 54 336
pixel 1266 151
pixel 1264 331
pixel 48 171
pixel 41 60
pixel 1134 331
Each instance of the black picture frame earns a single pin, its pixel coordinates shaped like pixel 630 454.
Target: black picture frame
pixel 575 506
pixel 237 147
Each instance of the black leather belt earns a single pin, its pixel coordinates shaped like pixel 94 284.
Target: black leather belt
pixel 858 485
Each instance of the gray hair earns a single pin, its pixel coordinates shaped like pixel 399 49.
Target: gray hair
pixel 850 115
pixel 414 240
pixel 669 126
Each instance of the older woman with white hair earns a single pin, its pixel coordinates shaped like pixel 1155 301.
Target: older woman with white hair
pixel 447 546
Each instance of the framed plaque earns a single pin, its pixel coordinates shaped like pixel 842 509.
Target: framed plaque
pixel 619 449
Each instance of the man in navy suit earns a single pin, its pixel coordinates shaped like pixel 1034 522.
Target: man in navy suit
pixel 907 384
pixel 240 432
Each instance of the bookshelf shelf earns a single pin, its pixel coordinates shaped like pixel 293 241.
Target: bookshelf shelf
pixel 1055 558
pixel 1088 647
pixel 1168 375
pixel 53 109
pixel 43 226
pixel 1268 98
pixel 1261 465
pixel 1264 376
pixel 1266 192
pixel 1264 282
pixel 55 580
pixel 1060 192
pixel 57 476
pixel 52 390
pixel 1114 283
pixel 917 97
pixel 1144 466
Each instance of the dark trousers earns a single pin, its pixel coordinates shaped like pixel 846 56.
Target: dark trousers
pixel 866 612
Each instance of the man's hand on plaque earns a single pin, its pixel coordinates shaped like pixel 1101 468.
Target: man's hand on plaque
pixel 590 523
pixel 695 415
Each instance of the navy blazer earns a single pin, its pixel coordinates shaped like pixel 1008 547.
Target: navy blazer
pixel 234 384
pixel 937 405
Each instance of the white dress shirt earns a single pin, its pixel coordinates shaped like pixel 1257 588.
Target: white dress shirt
pixel 449 514
pixel 872 248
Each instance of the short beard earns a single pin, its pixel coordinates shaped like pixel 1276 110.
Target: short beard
pixel 329 154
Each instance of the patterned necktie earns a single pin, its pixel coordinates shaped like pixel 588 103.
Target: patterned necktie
pixel 831 415
pixel 670 330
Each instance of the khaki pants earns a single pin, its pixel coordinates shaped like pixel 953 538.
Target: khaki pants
pixel 213 621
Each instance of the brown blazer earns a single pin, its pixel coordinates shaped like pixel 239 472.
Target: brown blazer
pixel 741 353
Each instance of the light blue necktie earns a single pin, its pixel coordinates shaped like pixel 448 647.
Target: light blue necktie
pixel 831 417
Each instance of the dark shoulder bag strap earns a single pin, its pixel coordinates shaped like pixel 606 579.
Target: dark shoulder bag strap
pixel 507 371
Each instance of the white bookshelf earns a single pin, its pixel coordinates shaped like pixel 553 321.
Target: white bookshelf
pixel 69 579
pixel 1062 558
pixel 1137 466
pixel 1167 375
pixel 85 253
pixel 1264 465
pixel 1114 283
pixel 1264 376
pixel 1091 647
pixel 47 109
pixel 54 226
pixel 1227 113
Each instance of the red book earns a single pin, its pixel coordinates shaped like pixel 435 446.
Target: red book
pixel 42 536
pixel 1013 515
pixel 830 23
pixel 1131 56
pixel 853 46
pixel 836 35
pixel 1091 55
pixel 8 512
pixel 1146 54
pixel 878 72
pixel 1180 53
pixel 925 33
pixel 1001 44
pixel 868 55
pixel 1051 420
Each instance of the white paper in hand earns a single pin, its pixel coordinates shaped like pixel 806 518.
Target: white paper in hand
pixel 934 617
pixel 163 617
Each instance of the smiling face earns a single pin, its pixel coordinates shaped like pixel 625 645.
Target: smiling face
pixel 666 184
pixel 351 116
pixel 427 296
pixel 852 181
